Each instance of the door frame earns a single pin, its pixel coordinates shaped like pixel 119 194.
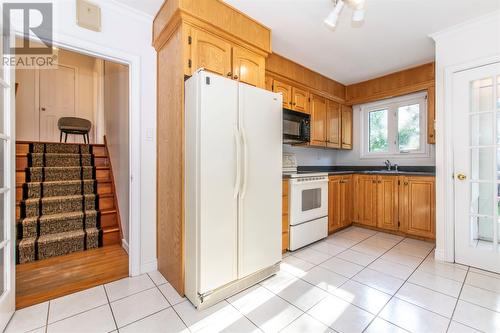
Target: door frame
pixel 445 169
pixel 133 247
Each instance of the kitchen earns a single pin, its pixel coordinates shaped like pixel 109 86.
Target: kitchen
pixel 358 176
pixel 321 166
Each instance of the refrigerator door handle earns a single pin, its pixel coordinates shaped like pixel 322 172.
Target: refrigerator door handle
pixel 245 162
pixel 237 139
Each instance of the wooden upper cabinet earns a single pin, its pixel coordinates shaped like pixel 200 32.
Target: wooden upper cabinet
pixel 417 206
pixel 249 67
pixel 365 196
pixel 346 117
pixel 387 202
pixel 210 52
pixel 286 91
pixel 300 100
pixel 333 124
pixel 431 115
pixel 318 120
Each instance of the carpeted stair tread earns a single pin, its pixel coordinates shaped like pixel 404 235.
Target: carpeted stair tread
pixel 60 204
pixel 59 160
pixel 59 188
pixel 55 148
pixel 56 223
pixel 39 174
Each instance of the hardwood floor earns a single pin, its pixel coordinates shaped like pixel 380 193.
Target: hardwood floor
pixel 40 281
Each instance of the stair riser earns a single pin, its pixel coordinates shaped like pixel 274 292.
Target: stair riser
pixel 59 160
pixel 48 175
pixel 33 190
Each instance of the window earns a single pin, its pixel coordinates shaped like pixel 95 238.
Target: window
pixel 395 127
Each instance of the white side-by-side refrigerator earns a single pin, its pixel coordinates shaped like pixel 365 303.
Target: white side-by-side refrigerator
pixel 233 175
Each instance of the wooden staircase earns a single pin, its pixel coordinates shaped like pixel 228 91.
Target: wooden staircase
pixel 107 203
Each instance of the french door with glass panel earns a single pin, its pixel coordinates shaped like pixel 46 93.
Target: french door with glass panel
pixel 476 140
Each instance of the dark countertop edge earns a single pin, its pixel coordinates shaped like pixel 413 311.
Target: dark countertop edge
pixel 404 173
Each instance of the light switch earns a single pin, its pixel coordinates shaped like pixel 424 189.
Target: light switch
pixel 149 134
pixel 88 15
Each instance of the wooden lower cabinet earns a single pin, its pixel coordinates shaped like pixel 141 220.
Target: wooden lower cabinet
pixel 405 204
pixel 284 216
pixel 365 195
pixel 417 208
pixel 340 195
pixel 387 202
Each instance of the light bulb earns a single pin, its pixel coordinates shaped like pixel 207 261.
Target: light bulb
pixel 331 20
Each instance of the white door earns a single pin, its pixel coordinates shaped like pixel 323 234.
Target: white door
pixel 217 198
pixel 57 99
pixel 7 196
pixel 259 229
pixel 476 137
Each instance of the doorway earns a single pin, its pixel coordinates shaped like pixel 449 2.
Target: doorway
pixel 94 89
pixel 476 139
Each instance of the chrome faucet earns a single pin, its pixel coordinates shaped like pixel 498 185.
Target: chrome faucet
pixel 388 165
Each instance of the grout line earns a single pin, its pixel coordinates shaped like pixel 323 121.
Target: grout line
pixel 110 308
pixel 47 321
pixel 458 298
pixel 244 315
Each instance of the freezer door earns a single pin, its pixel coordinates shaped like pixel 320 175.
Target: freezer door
pixel 259 224
pixel 218 143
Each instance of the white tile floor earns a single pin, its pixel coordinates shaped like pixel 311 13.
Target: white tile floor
pixel 356 280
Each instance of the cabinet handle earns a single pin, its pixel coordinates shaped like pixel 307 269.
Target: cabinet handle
pixel 406 183
pixel 236 77
pixel 230 74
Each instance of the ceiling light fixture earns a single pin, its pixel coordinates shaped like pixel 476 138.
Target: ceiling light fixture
pixel 358 14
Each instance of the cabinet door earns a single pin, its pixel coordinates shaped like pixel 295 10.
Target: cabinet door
pixel 387 202
pixel 333 124
pixel 269 83
pixel 346 127
pixel 365 200
pixel 346 197
pixel 418 209
pixel 300 100
pixel 318 121
pixel 249 67
pixel 286 91
pixel 210 52
pixel 334 204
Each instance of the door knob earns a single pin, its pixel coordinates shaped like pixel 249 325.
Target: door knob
pixel 461 176
pixel 43 109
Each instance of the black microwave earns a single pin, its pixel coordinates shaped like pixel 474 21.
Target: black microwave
pixel 296 127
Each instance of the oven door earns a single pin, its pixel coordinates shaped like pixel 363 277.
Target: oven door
pixel 308 200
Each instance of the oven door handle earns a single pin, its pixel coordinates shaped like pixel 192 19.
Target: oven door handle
pixel 237 140
pixel 245 162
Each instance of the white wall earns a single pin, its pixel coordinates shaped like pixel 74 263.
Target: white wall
pixel 470 44
pixel 126 34
pixel 116 124
pixel 28 95
pixel 353 157
pixel 312 156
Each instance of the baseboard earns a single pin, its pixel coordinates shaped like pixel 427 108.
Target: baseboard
pixel 149 266
pixel 125 246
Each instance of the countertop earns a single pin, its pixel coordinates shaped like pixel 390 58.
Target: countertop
pixel 405 171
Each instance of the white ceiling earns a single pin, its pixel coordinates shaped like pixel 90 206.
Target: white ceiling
pixel 393 36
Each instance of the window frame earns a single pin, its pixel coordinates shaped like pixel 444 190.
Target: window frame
pixel 392 105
